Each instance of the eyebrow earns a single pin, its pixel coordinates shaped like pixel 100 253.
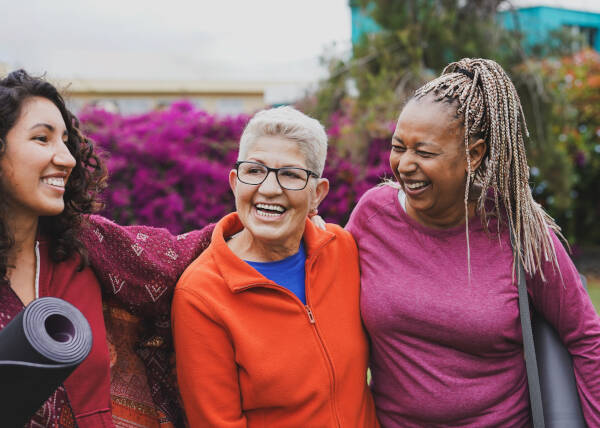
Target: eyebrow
pixel 418 144
pixel 250 159
pixel 44 125
pixel 48 127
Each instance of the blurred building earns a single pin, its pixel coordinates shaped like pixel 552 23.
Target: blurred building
pixel 536 22
pixel 534 19
pixel 228 95
pixel 138 96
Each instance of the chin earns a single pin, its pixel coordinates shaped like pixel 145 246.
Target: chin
pixel 268 233
pixel 51 210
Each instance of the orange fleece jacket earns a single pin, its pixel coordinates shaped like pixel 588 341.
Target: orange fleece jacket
pixel 250 354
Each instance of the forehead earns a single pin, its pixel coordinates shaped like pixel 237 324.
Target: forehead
pixel 40 110
pixel 430 117
pixel 276 151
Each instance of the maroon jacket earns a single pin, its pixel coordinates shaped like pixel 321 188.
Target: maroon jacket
pixel 87 389
pixel 137 268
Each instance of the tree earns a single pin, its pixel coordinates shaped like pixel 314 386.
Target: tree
pixel 363 94
pixel 417 39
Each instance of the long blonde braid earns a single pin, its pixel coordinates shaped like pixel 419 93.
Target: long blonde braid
pixel 490 107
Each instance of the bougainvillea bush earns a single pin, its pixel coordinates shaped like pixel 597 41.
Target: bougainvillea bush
pixel 169 168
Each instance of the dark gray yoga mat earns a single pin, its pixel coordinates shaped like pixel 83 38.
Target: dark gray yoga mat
pixel 557 381
pixel 39 349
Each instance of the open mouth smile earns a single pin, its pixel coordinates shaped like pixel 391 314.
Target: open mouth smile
pixel 415 187
pixel 269 210
pixel 56 182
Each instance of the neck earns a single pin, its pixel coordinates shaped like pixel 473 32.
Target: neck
pixel 452 217
pixel 24 231
pixel 246 247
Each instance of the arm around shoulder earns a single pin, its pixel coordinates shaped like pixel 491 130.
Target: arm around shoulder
pixel 140 265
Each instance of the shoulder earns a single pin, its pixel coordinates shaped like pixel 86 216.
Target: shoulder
pixel 343 237
pixel 203 267
pixel 378 194
pixel 377 201
pixel 376 198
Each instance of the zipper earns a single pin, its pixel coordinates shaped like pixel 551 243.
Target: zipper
pixel 312 320
pixel 311 317
pixel 37 270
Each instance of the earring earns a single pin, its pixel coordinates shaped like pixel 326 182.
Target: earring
pixel 313 212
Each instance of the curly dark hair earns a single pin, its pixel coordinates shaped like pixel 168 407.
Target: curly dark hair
pixel 87 178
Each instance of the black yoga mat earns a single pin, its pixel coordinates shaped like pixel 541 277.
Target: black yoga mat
pixel 39 349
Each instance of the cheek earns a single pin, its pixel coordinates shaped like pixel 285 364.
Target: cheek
pixel 393 161
pixel 243 197
pixel 303 202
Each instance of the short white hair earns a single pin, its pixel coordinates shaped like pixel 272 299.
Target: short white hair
pixel 292 124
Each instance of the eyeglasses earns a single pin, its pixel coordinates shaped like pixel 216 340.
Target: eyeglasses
pixel 290 178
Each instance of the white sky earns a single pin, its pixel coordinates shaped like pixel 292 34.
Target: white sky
pixel 252 40
pixel 173 39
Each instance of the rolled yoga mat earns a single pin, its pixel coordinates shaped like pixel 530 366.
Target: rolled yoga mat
pixel 557 380
pixel 39 349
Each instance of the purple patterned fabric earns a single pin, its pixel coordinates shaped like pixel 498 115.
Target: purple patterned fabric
pixel 138 267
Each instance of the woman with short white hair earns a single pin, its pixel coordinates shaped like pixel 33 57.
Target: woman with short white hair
pixel 266 321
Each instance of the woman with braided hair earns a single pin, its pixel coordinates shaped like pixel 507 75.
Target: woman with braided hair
pixel 438 286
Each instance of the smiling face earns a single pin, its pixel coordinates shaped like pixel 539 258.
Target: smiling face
pixel 36 164
pixel 274 217
pixel 428 159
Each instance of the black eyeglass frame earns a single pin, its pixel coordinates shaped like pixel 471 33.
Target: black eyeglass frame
pixel 276 171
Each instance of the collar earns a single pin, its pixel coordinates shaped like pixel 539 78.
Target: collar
pixel 238 274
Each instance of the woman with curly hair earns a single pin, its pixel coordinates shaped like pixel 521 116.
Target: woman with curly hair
pixel 50 177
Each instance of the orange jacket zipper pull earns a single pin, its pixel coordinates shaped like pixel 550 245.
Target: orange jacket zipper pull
pixel 310 314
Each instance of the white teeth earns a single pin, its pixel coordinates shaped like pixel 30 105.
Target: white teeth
pixel 270 207
pixel 262 213
pixel 54 181
pixel 415 186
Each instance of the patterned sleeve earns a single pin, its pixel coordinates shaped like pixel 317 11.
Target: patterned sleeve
pixel 140 265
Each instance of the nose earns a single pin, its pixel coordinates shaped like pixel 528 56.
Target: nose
pixel 270 185
pixel 63 157
pixel 406 163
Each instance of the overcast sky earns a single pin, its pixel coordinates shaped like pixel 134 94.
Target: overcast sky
pixel 172 39
pixel 255 40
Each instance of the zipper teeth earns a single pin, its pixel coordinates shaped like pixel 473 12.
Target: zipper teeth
pixel 330 362
pixel 309 265
pixel 37 269
pixel 312 321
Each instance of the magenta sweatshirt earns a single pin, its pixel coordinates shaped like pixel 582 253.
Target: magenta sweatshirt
pixel 449 353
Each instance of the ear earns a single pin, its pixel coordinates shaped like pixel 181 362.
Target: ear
pixel 477 151
pixel 321 190
pixel 233 181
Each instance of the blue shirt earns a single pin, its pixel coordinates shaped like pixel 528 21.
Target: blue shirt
pixel 288 273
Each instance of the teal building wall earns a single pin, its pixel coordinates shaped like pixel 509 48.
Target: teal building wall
pixel 534 22
pixel 362 23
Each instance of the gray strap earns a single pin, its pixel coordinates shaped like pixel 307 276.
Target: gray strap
pixel 533 380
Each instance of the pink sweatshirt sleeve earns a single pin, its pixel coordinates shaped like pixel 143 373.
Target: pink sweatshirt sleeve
pixel 566 305
pixel 140 265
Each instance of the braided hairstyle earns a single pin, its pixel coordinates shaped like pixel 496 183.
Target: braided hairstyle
pixel 489 108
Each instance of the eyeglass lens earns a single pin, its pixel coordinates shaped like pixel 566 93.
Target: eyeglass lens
pixel 289 178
